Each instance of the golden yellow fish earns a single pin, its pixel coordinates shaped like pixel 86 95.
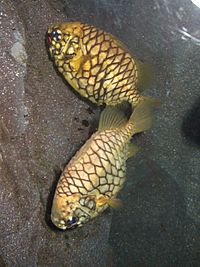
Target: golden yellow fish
pixel 91 180
pixel 96 64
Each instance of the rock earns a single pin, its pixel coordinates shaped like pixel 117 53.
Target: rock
pixel 42 125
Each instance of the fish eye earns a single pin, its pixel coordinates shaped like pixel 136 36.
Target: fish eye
pixel 55 35
pixel 71 222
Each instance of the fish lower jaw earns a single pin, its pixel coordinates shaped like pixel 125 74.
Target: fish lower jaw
pixel 58 223
pixel 62 227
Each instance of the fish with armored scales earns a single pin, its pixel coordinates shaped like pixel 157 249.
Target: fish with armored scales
pixel 97 65
pixel 92 179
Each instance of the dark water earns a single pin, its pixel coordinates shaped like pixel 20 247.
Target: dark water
pixel 159 224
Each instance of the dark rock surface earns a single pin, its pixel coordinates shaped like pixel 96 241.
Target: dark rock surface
pixel 41 127
pixel 43 123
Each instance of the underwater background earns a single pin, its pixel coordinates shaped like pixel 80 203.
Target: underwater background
pixel 44 123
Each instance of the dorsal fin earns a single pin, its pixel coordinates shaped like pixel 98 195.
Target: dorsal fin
pixel 145 74
pixel 132 150
pixel 112 117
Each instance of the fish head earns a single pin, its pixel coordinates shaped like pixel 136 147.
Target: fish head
pixel 67 211
pixel 62 212
pixel 63 40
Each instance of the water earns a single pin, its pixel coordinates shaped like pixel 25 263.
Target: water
pixel 159 224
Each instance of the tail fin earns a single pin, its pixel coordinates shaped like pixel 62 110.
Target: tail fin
pixel 142 117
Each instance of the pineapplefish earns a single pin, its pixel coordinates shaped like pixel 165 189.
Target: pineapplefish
pixel 96 64
pixel 92 179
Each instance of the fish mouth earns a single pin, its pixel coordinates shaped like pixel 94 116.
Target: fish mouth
pixel 55 54
pixel 52 52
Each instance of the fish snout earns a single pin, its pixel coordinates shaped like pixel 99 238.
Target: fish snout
pixel 58 222
pixel 64 223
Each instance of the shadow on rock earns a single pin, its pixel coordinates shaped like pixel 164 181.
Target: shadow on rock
pixel 50 201
pixel 191 124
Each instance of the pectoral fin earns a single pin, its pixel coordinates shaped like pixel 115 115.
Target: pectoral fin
pixel 132 150
pixel 113 202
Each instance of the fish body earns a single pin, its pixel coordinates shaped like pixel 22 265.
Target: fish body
pixel 96 64
pixel 92 179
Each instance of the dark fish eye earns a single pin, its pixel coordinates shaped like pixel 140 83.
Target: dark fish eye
pixel 71 221
pixel 56 35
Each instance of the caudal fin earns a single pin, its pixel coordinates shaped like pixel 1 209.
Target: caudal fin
pixel 142 117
